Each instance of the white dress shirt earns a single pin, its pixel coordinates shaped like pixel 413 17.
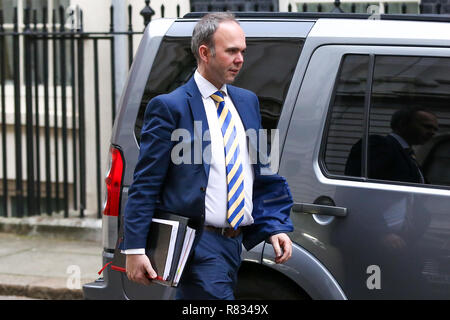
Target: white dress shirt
pixel 216 191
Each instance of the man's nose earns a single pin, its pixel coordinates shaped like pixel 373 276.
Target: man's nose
pixel 239 58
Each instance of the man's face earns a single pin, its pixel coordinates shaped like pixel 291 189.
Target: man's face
pixel 423 127
pixel 229 40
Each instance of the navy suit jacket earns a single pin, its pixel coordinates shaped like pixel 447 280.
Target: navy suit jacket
pixel 161 184
pixel 388 160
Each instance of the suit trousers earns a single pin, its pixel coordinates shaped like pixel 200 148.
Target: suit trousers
pixel 212 271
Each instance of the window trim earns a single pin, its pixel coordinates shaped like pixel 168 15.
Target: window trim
pixel 367 106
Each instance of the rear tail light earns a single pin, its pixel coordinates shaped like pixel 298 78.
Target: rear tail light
pixel 113 183
pixel 111 205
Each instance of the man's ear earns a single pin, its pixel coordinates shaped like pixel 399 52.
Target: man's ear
pixel 204 53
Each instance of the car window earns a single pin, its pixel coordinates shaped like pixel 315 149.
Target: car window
pixel 268 69
pixel 346 120
pixel 407 122
pixel 410 112
pixel 437 164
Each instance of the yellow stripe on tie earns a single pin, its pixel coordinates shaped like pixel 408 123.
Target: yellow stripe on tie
pixel 227 134
pixel 236 165
pixel 236 203
pixel 236 185
pixel 217 98
pixel 237 218
pixel 230 152
pixel 223 115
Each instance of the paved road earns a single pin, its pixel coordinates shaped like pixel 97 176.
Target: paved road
pixel 30 263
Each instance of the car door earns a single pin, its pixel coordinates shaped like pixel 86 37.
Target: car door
pixel 380 235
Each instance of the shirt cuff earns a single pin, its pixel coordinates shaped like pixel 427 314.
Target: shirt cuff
pixel 133 251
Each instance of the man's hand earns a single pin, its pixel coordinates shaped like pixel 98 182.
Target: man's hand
pixel 139 268
pixel 393 241
pixel 282 246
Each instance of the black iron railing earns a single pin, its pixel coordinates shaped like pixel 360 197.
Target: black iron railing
pixel 45 62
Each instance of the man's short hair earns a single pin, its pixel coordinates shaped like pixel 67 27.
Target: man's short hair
pixel 404 116
pixel 204 31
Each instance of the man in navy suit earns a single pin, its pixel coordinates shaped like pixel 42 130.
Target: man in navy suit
pixel 230 194
pixel 392 157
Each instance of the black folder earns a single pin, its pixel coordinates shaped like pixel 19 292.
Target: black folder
pixel 169 244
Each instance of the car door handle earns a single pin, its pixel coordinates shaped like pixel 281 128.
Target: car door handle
pixel 319 209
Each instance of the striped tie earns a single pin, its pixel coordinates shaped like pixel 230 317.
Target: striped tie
pixel 233 163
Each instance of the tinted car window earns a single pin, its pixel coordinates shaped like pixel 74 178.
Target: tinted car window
pixel 268 69
pixel 410 120
pixel 347 116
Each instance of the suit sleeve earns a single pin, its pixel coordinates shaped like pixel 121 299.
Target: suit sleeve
pixel 150 172
pixel 272 203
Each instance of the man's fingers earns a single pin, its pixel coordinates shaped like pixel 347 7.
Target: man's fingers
pixel 282 257
pixel 151 273
pixel 276 249
pixel 282 247
pixel 142 279
pixel 138 267
pixel 287 251
pixel 138 277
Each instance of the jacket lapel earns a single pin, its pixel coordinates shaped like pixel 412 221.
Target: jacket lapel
pixel 200 123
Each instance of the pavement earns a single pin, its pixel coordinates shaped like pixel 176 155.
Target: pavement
pixel 49 257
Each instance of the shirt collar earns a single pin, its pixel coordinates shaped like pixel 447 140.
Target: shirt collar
pixel 400 140
pixel 205 87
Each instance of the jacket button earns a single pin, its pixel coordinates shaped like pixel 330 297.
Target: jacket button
pixel 202 189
